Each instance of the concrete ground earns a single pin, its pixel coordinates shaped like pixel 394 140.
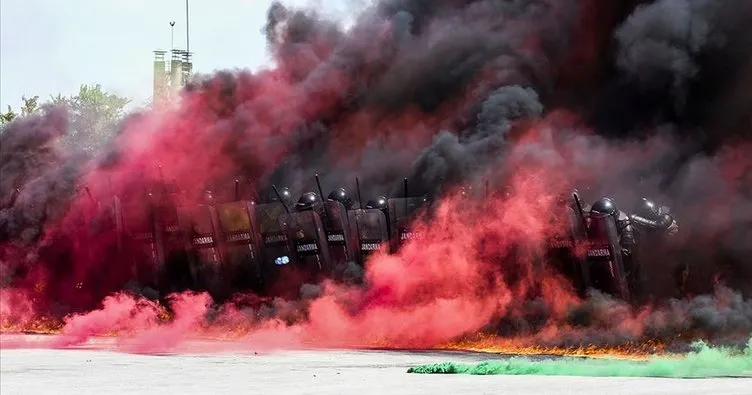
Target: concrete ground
pixel 96 372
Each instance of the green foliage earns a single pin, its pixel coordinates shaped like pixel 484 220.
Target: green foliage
pixel 94 115
pixel 29 106
pixel 7 116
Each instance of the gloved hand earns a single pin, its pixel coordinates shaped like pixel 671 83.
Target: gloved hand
pixel 673 229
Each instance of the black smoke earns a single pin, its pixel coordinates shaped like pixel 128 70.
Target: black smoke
pixel 452 159
pixel 37 174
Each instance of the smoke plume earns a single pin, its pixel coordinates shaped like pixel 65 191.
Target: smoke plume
pixel 533 97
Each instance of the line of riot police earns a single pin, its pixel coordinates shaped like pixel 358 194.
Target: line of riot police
pixel 274 246
pixel 271 247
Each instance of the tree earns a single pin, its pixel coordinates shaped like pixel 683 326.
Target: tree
pixel 7 117
pixel 30 105
pixel 94 115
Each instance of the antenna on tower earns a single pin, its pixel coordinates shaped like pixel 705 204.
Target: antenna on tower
pixel 187 31
pixel 172 35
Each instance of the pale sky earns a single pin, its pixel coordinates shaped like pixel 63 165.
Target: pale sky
pixel 54 46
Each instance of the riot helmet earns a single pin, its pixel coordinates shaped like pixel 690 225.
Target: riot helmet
pixel 648 209
pixel 380 203
pixel 340 195
pixel 284 192
pixel 604 207
pixel 307 201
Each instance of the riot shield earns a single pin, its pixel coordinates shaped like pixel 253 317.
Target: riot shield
pixel 170 232
pixel 402 212
pixel 276 249
pixel 139 241
pixel 338 234
pixel 239 246
pixel 560 251
pixel 369 229
pixel 306 231
pixel 205 257
pixel 117 212
pixel 106 243
pixel 579 229
pixel 174 246
pixel 605 264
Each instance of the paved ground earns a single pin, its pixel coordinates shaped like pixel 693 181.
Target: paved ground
pixel 85 371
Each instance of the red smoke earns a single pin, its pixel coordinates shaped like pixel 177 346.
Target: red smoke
pixel 450 282
pixel 477 261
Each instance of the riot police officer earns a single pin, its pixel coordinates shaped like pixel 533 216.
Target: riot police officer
pixel 340 195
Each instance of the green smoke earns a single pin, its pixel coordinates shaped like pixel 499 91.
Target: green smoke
pixel 704 361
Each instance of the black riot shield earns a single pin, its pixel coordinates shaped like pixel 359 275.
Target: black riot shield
pixel 370 232
pixel 170 232
pixel 117 217
pixel 239 245
pixel 306 231
pixel 402 212
pixel 604 261
pixel 561 248
pixel 276 249
pixel 173 249
pixel 338 234
pixel 205 257
pixel 139 241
